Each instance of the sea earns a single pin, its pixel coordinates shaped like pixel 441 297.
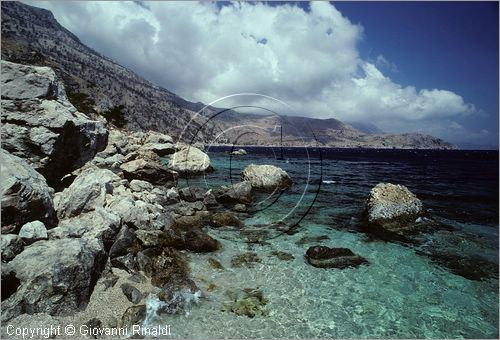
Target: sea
pixel 443 285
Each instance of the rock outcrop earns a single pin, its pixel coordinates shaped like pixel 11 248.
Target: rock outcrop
pixel 25 194
pixel 325 257
pixel 40 125
pixel 266 177
pixel 190 161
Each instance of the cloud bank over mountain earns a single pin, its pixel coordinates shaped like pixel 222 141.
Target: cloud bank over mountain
pixel 306 58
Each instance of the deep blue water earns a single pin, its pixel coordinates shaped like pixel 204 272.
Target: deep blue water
pixel 408 290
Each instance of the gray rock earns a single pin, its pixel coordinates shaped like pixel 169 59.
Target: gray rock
pixel 133 294
pixel 190 161
pixel 98 224
pixel 25 194
pixel 12 245
pixel 266 177
pixel 147 169
pixel 236 193
pixel 161 149
pixel 56 277
pixel 33 231
pixel 126 243
pixel 192 194
pixel 45 128
pixel 23 82
pixel 86 193
pixel 158 138
pixel 392 208
pixel 172 196
pixel 138 185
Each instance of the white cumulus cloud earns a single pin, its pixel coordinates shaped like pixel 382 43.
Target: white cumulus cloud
pixel 308 59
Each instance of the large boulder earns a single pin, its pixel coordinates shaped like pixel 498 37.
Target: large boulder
pixel 392 209
pixel 161 149
pixel 42 126
pixel 325 257
pixel 87 192
pixel 236 193
pixel 190 161
pixel 25 194
pixel 147 166
pixel 55 277
pixel 266 177
pixel 98 224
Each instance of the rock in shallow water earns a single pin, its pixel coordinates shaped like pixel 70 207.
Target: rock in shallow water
pixel 392 209
pixel 266 177
pixel 325 257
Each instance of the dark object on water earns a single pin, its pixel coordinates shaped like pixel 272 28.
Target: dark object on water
pixel 325 257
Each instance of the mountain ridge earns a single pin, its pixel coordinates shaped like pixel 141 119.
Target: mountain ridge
pixel 99 86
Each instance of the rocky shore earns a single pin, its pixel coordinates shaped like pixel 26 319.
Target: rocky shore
pixel 96 231
pixel 93 223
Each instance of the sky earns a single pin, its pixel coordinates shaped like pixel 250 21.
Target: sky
pixel 429 67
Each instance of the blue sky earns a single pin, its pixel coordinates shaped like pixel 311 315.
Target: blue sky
pixel 452 45
pixel 428 67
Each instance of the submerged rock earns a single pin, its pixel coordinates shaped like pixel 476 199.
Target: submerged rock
pixel 215 264
pixel 312 239
pixel 25 194
pixel 266 177
pixel 190 161
pixel 222 219
pixel 325 257
pixel 284 256
pixel 249 302
pixel 248 259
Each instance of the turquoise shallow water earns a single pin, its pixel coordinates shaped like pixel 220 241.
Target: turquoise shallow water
pixel 400 294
